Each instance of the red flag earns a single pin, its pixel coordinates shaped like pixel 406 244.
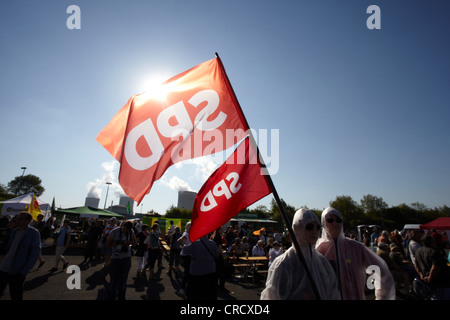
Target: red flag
pixel 191 115
pixel 235 185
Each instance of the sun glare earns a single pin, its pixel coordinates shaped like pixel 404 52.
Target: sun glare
pixel 154 88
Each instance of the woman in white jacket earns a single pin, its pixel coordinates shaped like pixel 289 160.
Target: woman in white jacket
pixel 351 261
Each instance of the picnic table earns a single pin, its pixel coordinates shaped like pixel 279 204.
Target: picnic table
pixel 252 266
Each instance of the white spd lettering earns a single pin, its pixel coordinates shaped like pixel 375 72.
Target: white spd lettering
pixel 170 129
pixel 221 189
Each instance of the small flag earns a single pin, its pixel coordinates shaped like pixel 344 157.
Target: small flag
pixel 34 208
pixel 258 232
pixel 235 185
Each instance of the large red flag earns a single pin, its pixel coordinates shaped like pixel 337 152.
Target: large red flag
pixel 236 184
pixel 191 115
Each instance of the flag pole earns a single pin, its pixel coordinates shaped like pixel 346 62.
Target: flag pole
pixel 274 192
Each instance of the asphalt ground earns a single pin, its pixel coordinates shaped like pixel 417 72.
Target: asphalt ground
pixel 41 284
pixel 47 293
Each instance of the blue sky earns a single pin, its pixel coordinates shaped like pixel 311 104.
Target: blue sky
pixel 359 111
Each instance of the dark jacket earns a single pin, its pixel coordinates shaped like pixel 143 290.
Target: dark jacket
pixel 28 251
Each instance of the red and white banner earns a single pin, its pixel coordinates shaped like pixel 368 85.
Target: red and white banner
pixel 236 184
pixel 191 115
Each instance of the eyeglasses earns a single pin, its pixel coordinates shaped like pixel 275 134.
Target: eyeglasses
pixel 331 220
pixel 310 226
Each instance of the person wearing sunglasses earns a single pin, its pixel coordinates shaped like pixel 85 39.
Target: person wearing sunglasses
pixel 350 260
pixel 287 278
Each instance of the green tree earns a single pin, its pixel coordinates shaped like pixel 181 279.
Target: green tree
pixel 371 204
pixel 262 211
pixel 175 212
pixel 275 213
pixel 349 209
pixel 26 184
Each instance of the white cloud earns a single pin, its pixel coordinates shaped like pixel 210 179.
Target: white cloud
pixel 109 175
pixel 176 184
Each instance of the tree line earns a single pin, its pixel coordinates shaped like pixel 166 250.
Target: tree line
pixel 371 210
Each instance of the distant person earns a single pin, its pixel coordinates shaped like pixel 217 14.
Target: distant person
pixel 94 234
pixel 414 243
pixel 259 249
pixel 274 252
pixel 237 249
pixel 401 278
pixel 287 278
pixel 171 230
pixel 202 271
pixel 432 268
pixel 120 241
pixel 185 260
pixel 142 250
pixel 350 260
pixel 22 253
pixel 384 238
pixel 62 243
pixel 105 250
pixel 175 249
pixel 154 248
pixel 374 236
pixel 40 226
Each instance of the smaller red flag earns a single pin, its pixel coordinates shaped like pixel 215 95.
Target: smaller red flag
pixel 235 185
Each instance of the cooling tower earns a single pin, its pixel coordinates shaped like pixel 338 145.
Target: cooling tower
pixel 124 200
pixel 92 202
pixel 186 199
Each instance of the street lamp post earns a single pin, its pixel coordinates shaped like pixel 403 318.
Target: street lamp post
pixel 108 183
pixel 21 179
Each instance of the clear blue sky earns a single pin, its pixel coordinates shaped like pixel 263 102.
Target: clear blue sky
pixel 359 111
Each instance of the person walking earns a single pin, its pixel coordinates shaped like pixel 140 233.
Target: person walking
pixel 62 244
pixel 23 251
pixel 175 249
pixel 94 234
pixel 142 250
pixel 185 260
pixel 154 248
pixel 120 241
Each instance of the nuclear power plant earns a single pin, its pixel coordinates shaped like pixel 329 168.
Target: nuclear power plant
pixel 92 202
pixel 186 199
pixel 126 204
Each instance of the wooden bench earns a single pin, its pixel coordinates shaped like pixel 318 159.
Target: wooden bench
pixel 165 245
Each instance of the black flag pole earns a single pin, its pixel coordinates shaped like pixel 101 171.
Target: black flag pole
pixel 275 193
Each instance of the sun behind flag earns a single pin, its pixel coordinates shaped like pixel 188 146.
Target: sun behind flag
pixel 193 114
pixel 235 185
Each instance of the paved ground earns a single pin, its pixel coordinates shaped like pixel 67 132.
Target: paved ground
pixel 40 284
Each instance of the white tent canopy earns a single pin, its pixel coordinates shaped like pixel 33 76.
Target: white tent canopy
pixel 13 206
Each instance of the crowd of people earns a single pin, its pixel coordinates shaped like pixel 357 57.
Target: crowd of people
pixel 329 263
pixel 416 259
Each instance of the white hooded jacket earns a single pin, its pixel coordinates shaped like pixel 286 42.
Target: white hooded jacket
pixel 353 260
pixel 287 278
